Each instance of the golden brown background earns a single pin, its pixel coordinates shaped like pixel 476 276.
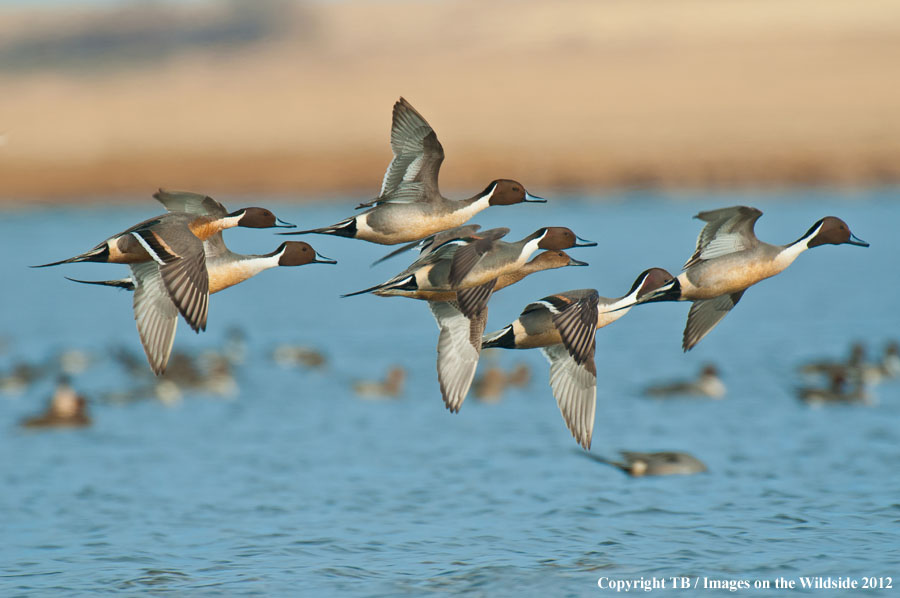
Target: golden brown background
pixel 295 98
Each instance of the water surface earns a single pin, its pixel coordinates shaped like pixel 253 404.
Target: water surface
pixel 297 487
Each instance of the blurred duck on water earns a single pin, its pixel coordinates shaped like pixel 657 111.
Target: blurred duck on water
pixel 295 355
pixel 492 384
pixel 159 285
pixel 67 409
pixel 389 388
pixel 563 326
pixel 729 259
pixel 838 392
pixel 857 367
pixel 20 376
pixel 410 205
pixel 854 361
pixel 637 464
pixel 707 384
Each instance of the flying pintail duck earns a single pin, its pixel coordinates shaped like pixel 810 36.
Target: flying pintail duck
pixel 638 464
pixel 173 243
pixel 472 261
pixel 154 309
pixel 729 259
pixel 445 278
pixel 708 384
pixel 410 205
pixel 462 325
pixel 563 327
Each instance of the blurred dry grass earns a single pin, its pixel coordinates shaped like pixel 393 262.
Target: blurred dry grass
pixel 296 98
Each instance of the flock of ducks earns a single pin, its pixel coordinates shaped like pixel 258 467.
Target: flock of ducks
pixel 179 258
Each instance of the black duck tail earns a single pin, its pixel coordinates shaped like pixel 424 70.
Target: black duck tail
pixel 344 228
pixel 502 339
pixel 100 253
pixel 122 283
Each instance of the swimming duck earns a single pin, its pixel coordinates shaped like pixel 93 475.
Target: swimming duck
pixel 837 392
pixel 410 205
pixel 173 244
pixel 20 377
pixel 292 356
pixel 729 259
pixel 489 386
pixel 391 387
pixel 854 362
pixel 66 409
pixel 708 384
pixel 154 310
pixel 887 368
pixel 638 464
pixel 563 326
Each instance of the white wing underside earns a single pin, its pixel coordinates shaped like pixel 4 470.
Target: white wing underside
pixel 154 313
pixel 408 147
pixel 724 245
pixel 457 356
pixel 575 389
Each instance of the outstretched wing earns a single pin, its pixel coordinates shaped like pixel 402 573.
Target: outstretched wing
pixel 191 203
pixel 459 346
pixel 704 316
pixel 413 172
pixel 468 255
pixel 154 313
pixel 182 266
pixel 575 388
pixel 729 230
pixel 577 325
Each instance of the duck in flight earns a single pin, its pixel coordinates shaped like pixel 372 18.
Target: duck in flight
pixel 410 205
pixel 563 326
pixel 173 243
pixel 458 278
pixel 729 258
pixel 156 308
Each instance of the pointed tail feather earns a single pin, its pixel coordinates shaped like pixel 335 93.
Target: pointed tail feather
pixel 344 228
pixel 397 252
pixel 391 284
pixel 97 254
pixel 122 283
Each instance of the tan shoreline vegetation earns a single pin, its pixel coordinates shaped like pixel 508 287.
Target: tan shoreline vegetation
pixel 294 99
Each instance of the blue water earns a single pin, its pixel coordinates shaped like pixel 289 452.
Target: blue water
pixel 297 487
